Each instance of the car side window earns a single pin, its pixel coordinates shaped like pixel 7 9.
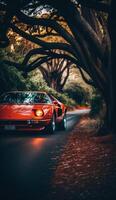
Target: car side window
pixel 42 98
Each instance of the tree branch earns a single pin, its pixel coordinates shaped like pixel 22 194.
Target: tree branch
pixel 47 23
pixel 89 82
pixel 50 56
pixel 53 24
pixel 96 5
pixel 46 45
pixel 66 77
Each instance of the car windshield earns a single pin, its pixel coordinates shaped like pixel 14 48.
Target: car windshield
pixel 24 98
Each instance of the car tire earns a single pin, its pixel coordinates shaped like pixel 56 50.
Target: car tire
pixel 63 124
pixel 52 126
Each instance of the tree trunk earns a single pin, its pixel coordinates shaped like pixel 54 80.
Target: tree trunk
pixel 105 127
pixel 112 70
pixel 55 84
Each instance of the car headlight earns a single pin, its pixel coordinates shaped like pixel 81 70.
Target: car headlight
pixel 39 113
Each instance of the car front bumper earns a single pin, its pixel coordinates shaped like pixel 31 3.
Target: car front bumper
pixel 24 125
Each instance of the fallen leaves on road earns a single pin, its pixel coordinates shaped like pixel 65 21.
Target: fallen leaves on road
pixel 87 166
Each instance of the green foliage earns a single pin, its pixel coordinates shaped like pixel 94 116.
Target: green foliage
pixel 64 98
pixel 96 104
pixel 40 83
pixel 11 79
pixel 77 93
pixel 36 78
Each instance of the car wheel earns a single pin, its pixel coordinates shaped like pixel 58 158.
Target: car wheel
pixel 63 123
pixel 52 126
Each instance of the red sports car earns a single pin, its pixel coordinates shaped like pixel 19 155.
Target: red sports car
pixel 27 110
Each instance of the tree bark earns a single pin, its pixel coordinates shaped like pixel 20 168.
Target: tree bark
pixel 112 69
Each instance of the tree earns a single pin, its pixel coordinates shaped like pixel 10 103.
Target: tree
pixel 56 72
pixel 87 41
pixel 112 68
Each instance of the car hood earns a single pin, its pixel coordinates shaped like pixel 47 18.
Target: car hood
pixel 21 112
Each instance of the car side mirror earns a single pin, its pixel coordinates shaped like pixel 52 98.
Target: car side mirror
pixel 56 103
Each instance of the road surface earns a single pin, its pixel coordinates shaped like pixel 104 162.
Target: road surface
pixel 27 161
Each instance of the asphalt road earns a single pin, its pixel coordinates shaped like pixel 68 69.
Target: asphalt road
pixel 27 161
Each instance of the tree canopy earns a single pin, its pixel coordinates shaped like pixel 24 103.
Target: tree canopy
pixel 85 29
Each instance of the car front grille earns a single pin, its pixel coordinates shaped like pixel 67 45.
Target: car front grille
pixel 16 122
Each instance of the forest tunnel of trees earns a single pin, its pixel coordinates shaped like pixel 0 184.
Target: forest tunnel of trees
pixel 74 32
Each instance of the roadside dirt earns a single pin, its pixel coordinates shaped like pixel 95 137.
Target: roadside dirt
pixel 87 167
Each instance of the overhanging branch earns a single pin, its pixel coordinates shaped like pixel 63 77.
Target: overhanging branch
pixel 45 45
pixel 96 5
